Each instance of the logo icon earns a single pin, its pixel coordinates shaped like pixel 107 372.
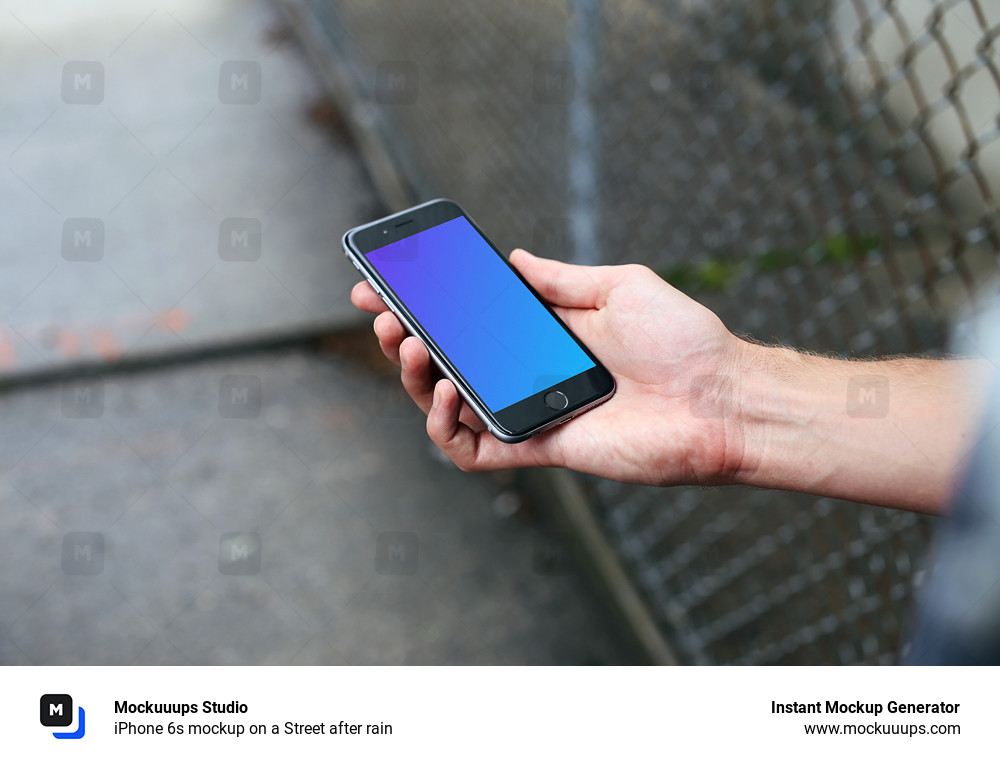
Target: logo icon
pixel 396 82
pixel 239 553
pixel 83 553
pixel 868 396
pixel 83 82
pixel 56 710
pixel 83 239
pixel 239 82
pixel 239 396
pixel 397 553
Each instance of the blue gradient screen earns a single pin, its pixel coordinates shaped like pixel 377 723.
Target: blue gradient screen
pixel 496 333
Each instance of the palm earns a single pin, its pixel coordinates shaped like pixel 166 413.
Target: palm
pixel 669 356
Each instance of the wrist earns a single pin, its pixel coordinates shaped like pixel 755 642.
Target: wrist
pixel 781 397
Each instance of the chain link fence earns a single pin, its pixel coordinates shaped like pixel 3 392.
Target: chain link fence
pixel 821 173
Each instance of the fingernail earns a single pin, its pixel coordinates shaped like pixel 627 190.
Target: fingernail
pixel 437 398
pixel 402 361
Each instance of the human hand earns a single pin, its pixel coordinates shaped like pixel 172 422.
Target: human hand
pixel 673 418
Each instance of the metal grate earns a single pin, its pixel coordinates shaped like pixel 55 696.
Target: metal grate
pixel 821 173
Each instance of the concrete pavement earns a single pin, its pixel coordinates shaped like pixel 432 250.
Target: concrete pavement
pixel 261 508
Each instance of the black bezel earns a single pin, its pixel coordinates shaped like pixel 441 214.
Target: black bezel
pixel 527 415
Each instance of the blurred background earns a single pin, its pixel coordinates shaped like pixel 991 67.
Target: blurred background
pixel 206 460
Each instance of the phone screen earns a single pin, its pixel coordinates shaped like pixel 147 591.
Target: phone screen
pixel 499 337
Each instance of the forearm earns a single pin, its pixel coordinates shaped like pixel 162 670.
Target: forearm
pixel 891 432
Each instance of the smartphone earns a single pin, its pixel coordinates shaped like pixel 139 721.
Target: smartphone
pixel 511 358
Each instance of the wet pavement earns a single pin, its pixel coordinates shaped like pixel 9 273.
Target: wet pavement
pixel 276 507
pixel 165 187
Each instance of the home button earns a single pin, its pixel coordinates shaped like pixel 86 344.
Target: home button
pixel 557 400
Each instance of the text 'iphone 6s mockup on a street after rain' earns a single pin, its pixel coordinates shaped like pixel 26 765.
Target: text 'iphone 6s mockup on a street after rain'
pixel 514 362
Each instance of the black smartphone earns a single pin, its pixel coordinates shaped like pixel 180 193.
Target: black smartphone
pixel 511 358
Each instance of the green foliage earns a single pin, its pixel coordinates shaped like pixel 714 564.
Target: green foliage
pixel 715 273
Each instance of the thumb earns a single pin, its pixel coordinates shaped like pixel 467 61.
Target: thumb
pixel 563 284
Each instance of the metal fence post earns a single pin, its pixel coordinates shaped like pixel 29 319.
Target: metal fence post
pixel 585 35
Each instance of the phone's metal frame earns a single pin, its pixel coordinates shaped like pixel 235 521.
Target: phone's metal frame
pixel 441 362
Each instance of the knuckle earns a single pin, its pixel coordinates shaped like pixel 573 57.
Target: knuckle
pixel 454 451
pixel 464 464
pixel 639 271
